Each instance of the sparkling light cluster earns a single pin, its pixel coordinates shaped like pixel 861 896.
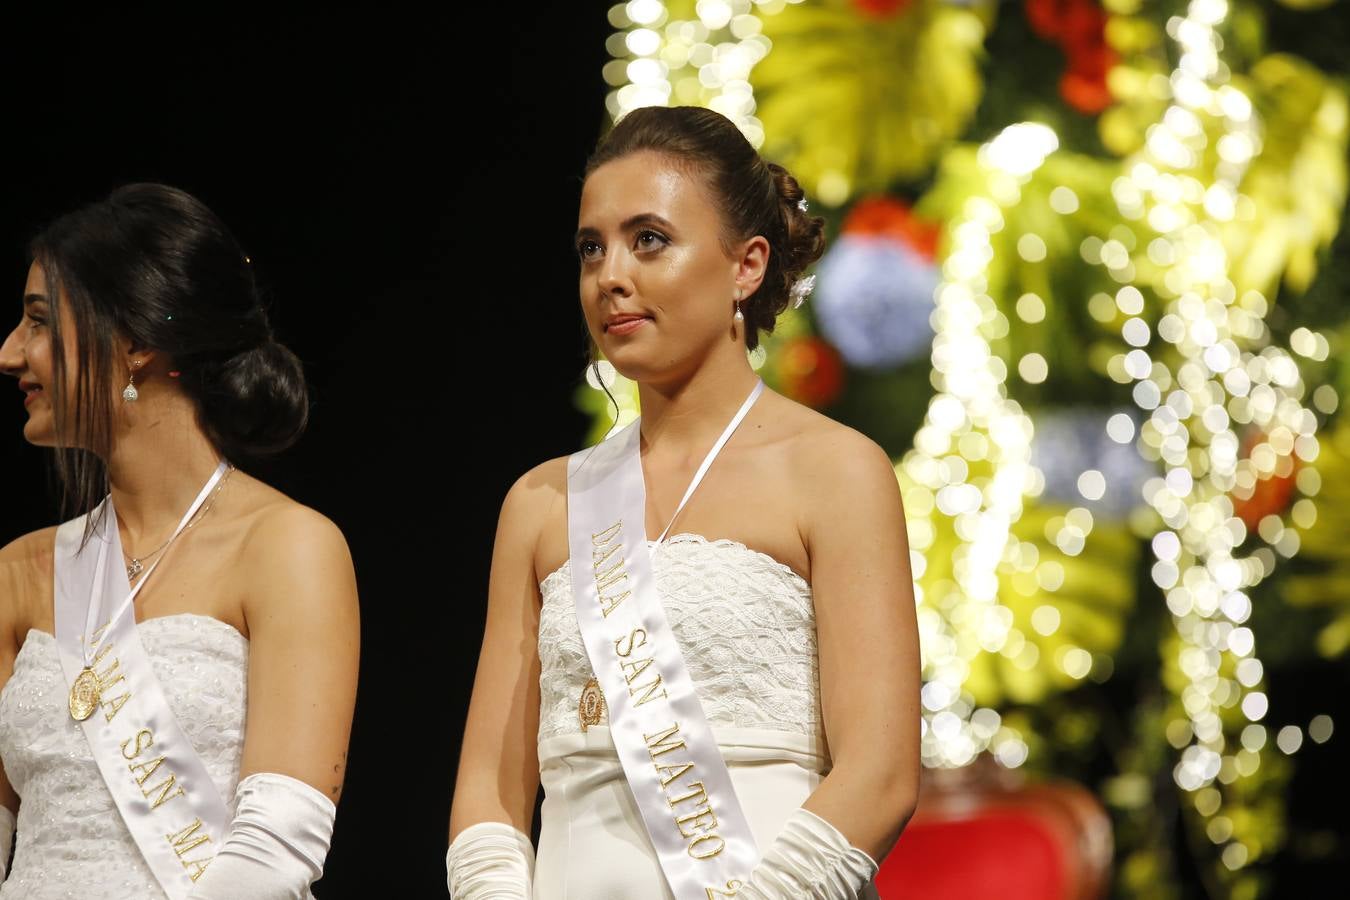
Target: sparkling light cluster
pixel 703 61
pixel 971 419
pixel 1227 378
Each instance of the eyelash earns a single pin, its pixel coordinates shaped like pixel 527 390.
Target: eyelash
pixel 581 248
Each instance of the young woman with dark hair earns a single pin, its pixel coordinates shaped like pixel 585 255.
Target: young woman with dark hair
pixel 732 710
pixel 178 660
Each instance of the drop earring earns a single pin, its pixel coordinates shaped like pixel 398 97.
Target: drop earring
pixel 129 393
pixel 740 317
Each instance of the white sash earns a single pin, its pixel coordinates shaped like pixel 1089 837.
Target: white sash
pixel 674 768
pixel 160 786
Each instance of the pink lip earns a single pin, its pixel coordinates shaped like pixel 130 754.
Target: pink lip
pixel 626 327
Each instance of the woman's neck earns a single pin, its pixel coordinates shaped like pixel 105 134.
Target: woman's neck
pixel 160 461
pixel 685 419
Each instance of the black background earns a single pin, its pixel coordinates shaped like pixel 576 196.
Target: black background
pixel 406 186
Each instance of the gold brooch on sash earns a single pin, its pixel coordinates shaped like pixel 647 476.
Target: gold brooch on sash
pixel 84 695
pixel 592 705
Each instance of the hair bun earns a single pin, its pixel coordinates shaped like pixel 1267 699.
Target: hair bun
pixel 256 403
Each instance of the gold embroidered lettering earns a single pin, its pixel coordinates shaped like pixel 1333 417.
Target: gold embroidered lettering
pixel 701 821
pixel 670 773
pixel 143 738
pixel 718 845
pixel 186 841
pixel 631 670
pixel 611 576
pixel 163 789
pixel 604 537
pixel 697 791
pixel 633 642
pixel 144 770
pixel 733 885
pixel 648 691
pixel 116 703
pixel 106 679
pixel 609 604
pixel 660 743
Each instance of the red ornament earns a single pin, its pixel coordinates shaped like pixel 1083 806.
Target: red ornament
pixel 1078 27
pixel 881 9
pixel 810 371
pixel 1271 494
pixel 890 217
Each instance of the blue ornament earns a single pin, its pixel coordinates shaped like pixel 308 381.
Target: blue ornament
pixel 873 298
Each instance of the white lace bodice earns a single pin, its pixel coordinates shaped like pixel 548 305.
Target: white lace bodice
pixel 71 841
pixel 745 623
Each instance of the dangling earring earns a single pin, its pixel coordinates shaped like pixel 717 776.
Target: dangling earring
pixel 129 393
pixel 740 317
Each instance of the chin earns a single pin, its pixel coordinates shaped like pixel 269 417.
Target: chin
pixel 39 433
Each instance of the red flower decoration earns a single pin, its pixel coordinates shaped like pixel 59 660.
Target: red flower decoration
pixel 890 217
pixel 1078 27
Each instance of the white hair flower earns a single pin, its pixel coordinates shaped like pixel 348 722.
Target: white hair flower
pixel 801 204
pixel 801 289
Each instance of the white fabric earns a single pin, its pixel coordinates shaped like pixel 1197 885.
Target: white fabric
pixel 809 858
pixel 6 839
pixel 71 840
pixel 746 625
pixel 674 769
pixel 141 750
pixel 276 844
pixel 490 861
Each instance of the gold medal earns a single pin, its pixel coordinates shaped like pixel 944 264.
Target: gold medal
pixel 592 705
pixel 84 695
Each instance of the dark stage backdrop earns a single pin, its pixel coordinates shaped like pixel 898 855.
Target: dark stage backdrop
pixel 406 187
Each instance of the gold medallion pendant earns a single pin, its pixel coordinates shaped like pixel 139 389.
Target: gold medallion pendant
pixel 592 705
pixel 84 695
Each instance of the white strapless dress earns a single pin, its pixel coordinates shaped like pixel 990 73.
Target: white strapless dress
pixel 72 843
pixel 746 625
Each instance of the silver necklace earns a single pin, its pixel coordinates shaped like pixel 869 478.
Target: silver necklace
pixel 136 566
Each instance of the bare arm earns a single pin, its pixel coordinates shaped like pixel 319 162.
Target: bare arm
pixel 304 646
pixel 867 638
pixel 499 762
pixel 25 570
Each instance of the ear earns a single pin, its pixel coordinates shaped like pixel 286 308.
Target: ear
pixel 135 358
pixel 751 262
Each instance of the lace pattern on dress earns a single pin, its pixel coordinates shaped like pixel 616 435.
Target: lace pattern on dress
pixel 744 621
pixel 71 839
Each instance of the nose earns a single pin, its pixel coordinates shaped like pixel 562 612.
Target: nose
pixel 613 277
pixel 12 360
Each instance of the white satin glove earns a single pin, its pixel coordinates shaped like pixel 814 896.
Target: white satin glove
pixel 490 861
pixel 809 858
pixel 276 844
pixel 6 839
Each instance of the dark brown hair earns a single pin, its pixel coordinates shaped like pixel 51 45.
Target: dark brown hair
pixel 154 265
pixel 755 197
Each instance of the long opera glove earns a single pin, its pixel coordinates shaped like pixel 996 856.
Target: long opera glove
pixel 490 861
pixel 276 845
pixel 6 839
pixel 809 858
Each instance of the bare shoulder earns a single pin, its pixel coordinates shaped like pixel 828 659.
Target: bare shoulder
pixel 34 549
pixel 830 462
pixel 26 577
pixel 287 532
pixel 297 559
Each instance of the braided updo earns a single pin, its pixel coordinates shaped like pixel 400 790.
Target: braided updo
pixel 756 197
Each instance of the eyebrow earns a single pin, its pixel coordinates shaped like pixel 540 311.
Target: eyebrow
pixel 33 299
pixel 628 224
